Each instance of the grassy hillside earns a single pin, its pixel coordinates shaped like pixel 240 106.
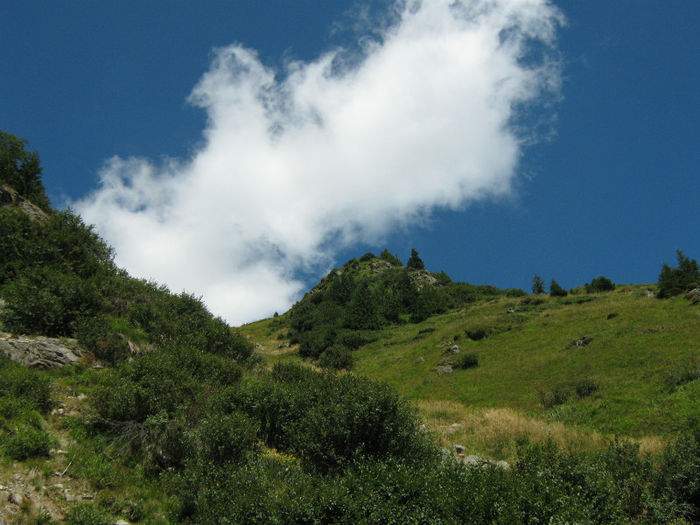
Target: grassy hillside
pixel 634 374
pixel 169 416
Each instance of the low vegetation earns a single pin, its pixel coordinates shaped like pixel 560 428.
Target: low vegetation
pixel 172 418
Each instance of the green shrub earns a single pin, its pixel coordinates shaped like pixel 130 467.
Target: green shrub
pixel 600 284
pixel 97 335
pixel 515 292
pixel 367 257
pixel 585 388
pixel 27 442
pixel 337 357
pixel 352 340
pixel 227 438
pixel 478 333
pixel 467 361
pixel 25 385
pixel 43 301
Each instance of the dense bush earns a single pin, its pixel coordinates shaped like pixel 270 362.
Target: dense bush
pixel 20 169
pixel 464 361
pixel 684 277
pixel 600 284
pixel 329 420
pixel 336 357
pixel 24 385
pixel 25 441
pixel 43 301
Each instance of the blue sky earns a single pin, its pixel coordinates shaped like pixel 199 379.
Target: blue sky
pixel 607 181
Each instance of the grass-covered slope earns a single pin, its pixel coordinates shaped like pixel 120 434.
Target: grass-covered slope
pixel 576 368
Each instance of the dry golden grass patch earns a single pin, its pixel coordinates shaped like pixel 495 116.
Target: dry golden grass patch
pixel 495 432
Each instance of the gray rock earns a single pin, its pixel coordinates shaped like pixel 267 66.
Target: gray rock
pixel 16 498
pixel 455 349
pixel 421 359
pixel 121 522
pixel 693 295
pixel 10 197
pixel 39 351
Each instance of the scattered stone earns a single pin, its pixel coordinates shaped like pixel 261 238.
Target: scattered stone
pixel 423 428
pixel 16 499
pixel 82 397
pixel 694 295
pixel 581 342
pixel 121 522
pixel 510 311
pixel 258 346
pixel 40 351
pixel 283 345
pixel 421 359
pixel 459 449
pixel 443 370
pixel 10 197
pixel 455 349
pixel 456 425
pixel 651 294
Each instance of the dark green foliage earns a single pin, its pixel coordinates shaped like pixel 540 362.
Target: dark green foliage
pixel 367 257
pixel 20 169
pixel 389 257
pixel 336 357
pixel 464 361
pixel 415 262
pixel 561 393
pixel 352 340
pixel 96 333
pixel 537 285
pixel 430 301
pixel 24 385
pixel 43 301
pixel 676 483
pixel 684 277
pixel 329 420
pixel 515 292
pixel 477 333
pixel 227 438
pixel 25 441
pixel 556 291
pixel 362 312
pixel 600 284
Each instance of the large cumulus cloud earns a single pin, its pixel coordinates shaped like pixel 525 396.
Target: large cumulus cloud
pixel 295 164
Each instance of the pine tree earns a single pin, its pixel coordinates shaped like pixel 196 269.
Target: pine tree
pixel 537 285
pixel 415 262
pixel 555 290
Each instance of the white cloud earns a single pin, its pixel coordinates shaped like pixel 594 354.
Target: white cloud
pixel 330 152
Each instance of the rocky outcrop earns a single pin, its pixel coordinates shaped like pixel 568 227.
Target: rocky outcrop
pixel 10 197
pixel 39 351
pixel 422 278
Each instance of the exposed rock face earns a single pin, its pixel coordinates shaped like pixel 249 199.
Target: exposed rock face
pixel 10 197
pixel 39 351
pixel 421 278
pixel 694 295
